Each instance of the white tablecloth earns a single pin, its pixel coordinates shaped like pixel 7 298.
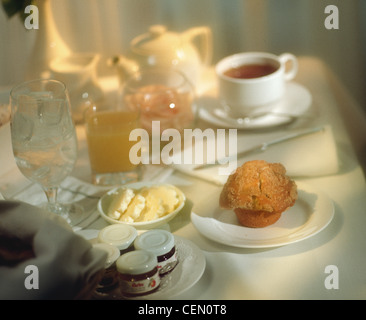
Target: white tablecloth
pixel 294 271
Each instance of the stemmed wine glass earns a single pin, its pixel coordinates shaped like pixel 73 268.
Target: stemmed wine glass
pixel 44 138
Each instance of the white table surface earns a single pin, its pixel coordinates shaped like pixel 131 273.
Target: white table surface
pixel 295 271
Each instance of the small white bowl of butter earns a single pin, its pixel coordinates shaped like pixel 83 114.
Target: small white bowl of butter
pixel 142 205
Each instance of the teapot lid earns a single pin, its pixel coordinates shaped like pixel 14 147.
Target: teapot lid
pixel 158 39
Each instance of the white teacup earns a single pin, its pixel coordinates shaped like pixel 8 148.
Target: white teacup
pixel 252 81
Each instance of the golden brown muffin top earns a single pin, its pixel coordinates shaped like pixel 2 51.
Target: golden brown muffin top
pixel 259 185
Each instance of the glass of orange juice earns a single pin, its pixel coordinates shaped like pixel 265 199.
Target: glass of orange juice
pixel 107 132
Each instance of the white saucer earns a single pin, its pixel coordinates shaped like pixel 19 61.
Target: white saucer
pixel 312 212
pixel 190 268
pixel 296 101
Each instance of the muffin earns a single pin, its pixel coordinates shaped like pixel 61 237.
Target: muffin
pixel 258 192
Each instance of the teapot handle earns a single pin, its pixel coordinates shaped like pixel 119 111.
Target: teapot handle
pixel 204 35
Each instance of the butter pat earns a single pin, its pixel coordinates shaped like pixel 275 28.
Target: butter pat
pixel 120 203
pixel 160 200
pixel 134 209
pixel 146 204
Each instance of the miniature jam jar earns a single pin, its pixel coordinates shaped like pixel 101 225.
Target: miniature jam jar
pixel 162 244
pixel 118 235
pixel 109 282
pixel 138 273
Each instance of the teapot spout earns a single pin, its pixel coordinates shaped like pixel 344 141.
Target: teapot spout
pixel 124 66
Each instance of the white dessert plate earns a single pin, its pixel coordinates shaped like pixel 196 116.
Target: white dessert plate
pixel 190 268
pixel 106 199
pixel 312 212
pixel 296 101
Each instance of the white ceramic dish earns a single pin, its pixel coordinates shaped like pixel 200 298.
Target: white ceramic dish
pixel 296 101
pixel 106 199
pixel 312 212
pixel 190 268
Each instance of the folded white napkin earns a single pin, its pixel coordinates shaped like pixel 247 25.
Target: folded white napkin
pixel 68 266
pixel 71 191
pixel 311 155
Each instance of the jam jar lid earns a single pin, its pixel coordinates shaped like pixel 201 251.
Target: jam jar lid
pixel 156 241
pixel 136 262
pixel 112 251
pixel 119 235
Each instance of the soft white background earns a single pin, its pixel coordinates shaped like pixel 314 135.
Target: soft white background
pixel 107 27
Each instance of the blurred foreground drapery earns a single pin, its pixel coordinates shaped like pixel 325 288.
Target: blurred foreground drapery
pixel 107 27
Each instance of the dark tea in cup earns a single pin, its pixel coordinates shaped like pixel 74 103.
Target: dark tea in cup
pixel 250 71
pixel 253 80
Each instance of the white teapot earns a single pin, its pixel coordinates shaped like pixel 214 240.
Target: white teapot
pixel 165 49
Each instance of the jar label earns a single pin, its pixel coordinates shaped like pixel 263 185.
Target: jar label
pixel 140 286
pixel 168 264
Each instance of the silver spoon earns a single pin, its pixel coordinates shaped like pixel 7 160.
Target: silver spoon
pixel 250 117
